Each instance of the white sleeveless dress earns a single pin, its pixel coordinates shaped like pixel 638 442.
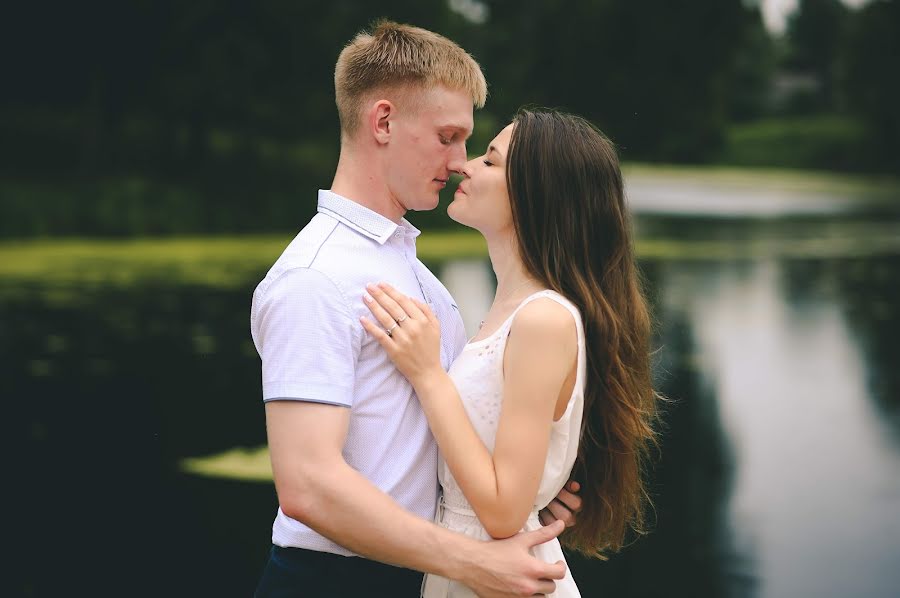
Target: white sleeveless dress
pixel 478 375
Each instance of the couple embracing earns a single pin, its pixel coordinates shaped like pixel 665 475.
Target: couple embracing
pixel 399 446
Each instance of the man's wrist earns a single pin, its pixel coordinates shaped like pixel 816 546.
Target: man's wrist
pixel 461 558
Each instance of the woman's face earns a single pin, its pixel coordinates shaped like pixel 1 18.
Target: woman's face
pixel 482 199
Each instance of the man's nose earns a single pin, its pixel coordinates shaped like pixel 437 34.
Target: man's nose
pixel 457 160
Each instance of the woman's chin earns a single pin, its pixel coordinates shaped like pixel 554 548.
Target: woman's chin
pixel 457 212
pixel 463 221
pixel 453 211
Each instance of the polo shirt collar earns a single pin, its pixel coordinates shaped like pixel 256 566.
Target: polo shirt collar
pixel 361 219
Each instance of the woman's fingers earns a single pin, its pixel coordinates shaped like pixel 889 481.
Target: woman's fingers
pixel 382 316
pixel 378 332
pixel 404 302
pixel 387 303
pixel 425 310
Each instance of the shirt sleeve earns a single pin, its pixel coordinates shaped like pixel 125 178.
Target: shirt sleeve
pixel 307 339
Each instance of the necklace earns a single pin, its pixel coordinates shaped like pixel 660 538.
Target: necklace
pixel 505 297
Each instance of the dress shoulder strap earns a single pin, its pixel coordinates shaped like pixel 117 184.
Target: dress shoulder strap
pixel 550 294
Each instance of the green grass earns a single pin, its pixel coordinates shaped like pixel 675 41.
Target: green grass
pixel 232 262
pixel 244 464
pixel 226 262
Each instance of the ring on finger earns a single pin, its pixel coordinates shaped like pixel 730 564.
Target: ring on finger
pixel 390 330
pixel 401 318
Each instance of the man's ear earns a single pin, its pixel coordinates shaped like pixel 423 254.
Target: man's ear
pixel 381 115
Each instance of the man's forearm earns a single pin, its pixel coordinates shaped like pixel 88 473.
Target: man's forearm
pixel 345 507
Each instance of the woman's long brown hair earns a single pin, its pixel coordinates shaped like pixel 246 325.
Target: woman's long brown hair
pixel 568 208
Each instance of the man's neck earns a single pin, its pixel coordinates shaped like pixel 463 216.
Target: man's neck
pixel 362 181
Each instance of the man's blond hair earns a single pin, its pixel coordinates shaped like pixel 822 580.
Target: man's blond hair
pixel 393 56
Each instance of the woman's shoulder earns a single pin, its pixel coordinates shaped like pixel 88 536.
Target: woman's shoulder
pixel 548 316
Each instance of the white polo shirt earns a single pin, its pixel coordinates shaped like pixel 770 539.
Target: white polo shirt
pixel 305 324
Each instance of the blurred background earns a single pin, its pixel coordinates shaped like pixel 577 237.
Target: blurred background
pixel 156 157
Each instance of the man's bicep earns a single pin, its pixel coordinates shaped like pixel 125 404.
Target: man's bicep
pixel 304 438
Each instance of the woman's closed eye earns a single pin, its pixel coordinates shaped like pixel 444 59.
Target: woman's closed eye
pixel 488 163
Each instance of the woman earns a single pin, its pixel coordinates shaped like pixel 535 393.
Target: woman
pixel 558 374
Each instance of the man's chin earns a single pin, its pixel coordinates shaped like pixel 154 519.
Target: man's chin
pixel 425 206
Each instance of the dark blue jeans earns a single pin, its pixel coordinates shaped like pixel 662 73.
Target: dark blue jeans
pixel 295 573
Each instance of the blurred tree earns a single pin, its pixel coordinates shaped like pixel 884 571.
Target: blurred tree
pixel 75 72
pixel 652 74
pixel 230 101
pixel 814 34
pixel 157 116
pixel 869 76
pixel 753 69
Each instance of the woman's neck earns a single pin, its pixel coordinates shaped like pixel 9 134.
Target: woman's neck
pixel 513 280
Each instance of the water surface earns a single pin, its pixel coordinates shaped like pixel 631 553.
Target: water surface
pixel 779 475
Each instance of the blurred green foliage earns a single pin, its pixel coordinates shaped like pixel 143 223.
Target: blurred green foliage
pixel 869 71
pixel 164 117
pixel 816 36
pixel 814 142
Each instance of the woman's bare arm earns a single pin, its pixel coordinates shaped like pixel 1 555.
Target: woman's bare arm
pixel 540 353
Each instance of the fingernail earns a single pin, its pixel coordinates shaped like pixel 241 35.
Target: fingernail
pixel 367 298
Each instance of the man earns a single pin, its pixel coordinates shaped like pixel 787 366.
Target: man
pixel 353 459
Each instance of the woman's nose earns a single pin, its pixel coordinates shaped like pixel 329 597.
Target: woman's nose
pixel 466 169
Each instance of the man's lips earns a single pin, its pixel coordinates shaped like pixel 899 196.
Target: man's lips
pixel 441 182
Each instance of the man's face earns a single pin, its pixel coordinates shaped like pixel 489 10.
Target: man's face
pixel 428 143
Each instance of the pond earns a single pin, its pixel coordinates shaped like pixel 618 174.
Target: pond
pixel 779 473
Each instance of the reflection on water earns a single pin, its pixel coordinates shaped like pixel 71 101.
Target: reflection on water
pixel 816 498
pixel 779 473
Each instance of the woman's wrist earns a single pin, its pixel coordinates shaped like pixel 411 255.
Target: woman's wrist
pixel 428 382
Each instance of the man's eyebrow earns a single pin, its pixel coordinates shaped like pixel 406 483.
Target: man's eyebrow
pixel 459 128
